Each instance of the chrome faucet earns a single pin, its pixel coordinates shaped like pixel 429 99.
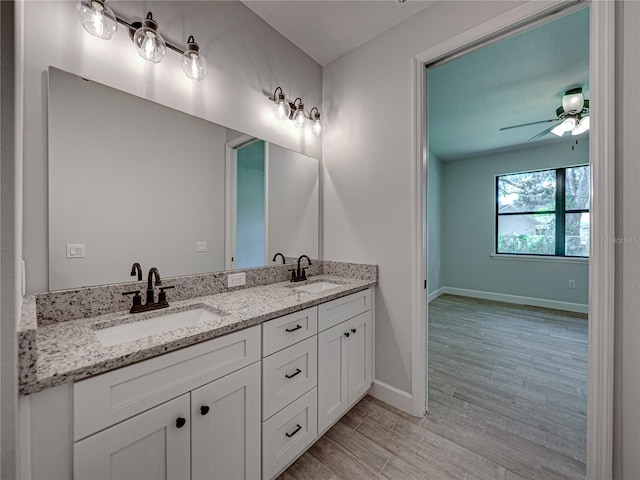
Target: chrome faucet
pixel 276 256
pixel 300 275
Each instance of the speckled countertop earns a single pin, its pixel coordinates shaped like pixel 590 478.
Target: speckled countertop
pixel 70 351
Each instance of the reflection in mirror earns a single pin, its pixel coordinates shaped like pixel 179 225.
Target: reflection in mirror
pixel 134 181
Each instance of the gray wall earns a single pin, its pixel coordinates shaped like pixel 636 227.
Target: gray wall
pixel 468 236
pixel 435 205
pixel 247 60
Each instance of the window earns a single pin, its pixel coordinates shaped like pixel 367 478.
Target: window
pixel 544 212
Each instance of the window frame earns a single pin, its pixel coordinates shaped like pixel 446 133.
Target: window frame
pixel 560 213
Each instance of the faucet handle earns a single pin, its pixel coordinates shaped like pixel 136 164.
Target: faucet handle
pixel 162 296
pixel 137 300
pixel 303 274
pixel 294 276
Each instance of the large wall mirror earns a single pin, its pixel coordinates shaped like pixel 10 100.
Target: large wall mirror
pixel 134 181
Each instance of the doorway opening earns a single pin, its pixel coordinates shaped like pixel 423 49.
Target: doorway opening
pixel 508 223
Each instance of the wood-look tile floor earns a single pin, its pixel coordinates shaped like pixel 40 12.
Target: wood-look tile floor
pixel 507 400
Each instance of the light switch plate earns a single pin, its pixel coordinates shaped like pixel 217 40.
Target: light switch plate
pixel 236 279
pixel 76 250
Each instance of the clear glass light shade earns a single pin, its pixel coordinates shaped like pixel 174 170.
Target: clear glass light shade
pixel 150 44
pixel 97 18
pixel 281 108
pixel 194 65
pixel 566 126
pixel 582 126
pixel 299 118
pixel 316 126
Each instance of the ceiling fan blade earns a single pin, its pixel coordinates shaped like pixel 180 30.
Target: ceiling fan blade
pixel 544 132
pixel 527 124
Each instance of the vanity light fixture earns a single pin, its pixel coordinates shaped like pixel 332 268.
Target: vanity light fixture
pixel 299 118
pixel 99 20
pixel 194 64
pixel 281 108
pixel 316 123
pixel 150 44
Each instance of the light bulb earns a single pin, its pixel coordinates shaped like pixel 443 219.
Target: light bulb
pixel 299 118
pixel 281 108
pixel 97 18
pixel 316 124
pixel 149 42
pixel 566 126
pixel 582 126
pixel 193 63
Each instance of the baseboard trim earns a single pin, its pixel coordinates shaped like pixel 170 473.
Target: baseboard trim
pixel 433 295
pixel 392 395
pixel 502 297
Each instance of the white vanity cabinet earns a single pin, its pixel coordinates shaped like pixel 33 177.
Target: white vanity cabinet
pixel 210 431
pixel 345 355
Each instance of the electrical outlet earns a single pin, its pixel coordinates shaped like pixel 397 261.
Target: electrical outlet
pixel 236 279
pixel 201 247
pixel 572 284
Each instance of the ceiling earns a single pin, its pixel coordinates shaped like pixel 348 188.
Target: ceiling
pixel 517 80
pixel 327 29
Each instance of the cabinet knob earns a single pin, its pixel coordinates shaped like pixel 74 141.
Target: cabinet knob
pixel 180 422
pixel 204 409
pixel 346 334
pixel 353 330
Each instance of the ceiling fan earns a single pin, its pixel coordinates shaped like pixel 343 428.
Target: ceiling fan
pixel 572 116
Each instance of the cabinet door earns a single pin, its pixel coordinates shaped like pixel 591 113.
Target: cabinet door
pixel 225 430
pixel 150 445
pixel 333 389
pixel 360 355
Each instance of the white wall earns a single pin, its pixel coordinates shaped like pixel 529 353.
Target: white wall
pixel 626 392
pixel 133 181
pixel 435 204
pixel 469 230
pixel 247 61
pixel 368 153
pixel 292 227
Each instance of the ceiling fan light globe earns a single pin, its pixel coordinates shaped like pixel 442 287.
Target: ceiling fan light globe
pixel 582 126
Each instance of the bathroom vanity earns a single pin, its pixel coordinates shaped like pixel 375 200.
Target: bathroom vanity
pixel 240 395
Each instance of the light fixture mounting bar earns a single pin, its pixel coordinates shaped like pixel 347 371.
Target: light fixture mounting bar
pixel 135 25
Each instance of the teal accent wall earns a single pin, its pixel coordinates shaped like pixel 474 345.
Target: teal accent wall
pixel 250 221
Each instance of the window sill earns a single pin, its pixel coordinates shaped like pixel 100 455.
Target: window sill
pixel 540 258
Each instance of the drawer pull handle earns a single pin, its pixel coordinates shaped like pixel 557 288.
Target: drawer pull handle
pixel 298 428
pixel 294 373
pixel 289 330
pixel 353 330
pixel 180 422
pixel 204 409
pixel 346 334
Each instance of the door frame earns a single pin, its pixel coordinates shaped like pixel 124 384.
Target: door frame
pixel 601 261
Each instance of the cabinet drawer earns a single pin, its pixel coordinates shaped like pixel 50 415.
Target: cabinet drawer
pixel 288 374
pixel 288 433
pixel 281 332
pixel 341 309
pixel 114 396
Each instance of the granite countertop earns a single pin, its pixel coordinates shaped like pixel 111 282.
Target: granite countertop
pixel 70 351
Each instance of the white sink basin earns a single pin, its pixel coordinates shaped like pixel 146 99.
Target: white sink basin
pixel 317 287
pixel 128 332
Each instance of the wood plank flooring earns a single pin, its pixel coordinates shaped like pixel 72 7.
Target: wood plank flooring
pixel 507 401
